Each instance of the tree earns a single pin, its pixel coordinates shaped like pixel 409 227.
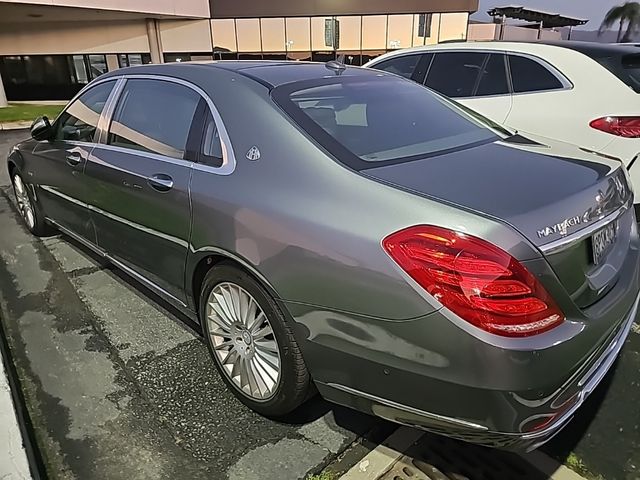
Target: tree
pixel 628 13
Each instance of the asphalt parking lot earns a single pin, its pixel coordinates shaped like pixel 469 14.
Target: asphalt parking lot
pixel 118 385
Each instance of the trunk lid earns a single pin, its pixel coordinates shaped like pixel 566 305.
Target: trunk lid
pixel 555 194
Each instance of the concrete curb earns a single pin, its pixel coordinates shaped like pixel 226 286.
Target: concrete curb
pixel 550 467
pixel 14 125
pixel 384 456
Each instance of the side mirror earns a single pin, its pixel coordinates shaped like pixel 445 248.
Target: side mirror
pixel 41 128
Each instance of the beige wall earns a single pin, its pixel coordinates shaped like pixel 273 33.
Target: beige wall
pixel 73 37
pixel 185 36
pixel 190 8
pixel 453 26
pixel 491 31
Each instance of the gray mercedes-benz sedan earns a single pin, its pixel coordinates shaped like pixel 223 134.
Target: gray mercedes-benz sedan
pixel 347 230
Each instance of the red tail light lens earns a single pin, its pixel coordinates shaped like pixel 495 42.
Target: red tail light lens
pixel 628 127
pixel 476 280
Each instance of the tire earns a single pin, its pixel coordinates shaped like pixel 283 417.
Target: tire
pixel 28 208
pixel 293 383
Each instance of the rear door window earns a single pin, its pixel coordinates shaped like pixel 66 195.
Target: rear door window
pixel 528 75
pixel 455 74
pixel 154 116
pixel 493 78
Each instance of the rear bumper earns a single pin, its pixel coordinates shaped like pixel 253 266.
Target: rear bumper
pixel 570 399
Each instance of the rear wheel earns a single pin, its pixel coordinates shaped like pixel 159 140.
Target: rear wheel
pixel 29 210
pixel 251 343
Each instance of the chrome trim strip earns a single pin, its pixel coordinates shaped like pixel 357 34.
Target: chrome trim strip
pixel 145 281
pixel 412 410
pixel 580 235
pixel 142 153
pixel 140 278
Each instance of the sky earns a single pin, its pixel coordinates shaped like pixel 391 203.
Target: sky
pixel 594 10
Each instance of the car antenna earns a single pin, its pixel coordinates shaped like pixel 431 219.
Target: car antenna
pixel 335 66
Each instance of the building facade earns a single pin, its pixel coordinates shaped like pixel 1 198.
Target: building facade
pixel 49 49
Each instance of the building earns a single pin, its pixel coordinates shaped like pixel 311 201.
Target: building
pixel 538 25
pixel 50 48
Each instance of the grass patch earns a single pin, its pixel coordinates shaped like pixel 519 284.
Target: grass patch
pixel 28 111
pixel 576 464
pixel 323 476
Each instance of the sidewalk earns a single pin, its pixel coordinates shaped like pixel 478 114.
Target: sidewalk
pixel 14 125
pixel 13 459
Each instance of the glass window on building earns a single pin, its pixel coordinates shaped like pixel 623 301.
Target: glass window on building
pixel 272 31
pixel 97 65
pixel 400 29
pixel 374 32
pixel 422 31
pixel 248 31
pixel 349 33
pixel 132 59
pixel 298 34
pixel 177 57
pixel 368 55
pixel 224 36
pixel 322 33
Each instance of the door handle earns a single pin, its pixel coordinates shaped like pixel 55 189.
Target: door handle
pixel 160 182
pixel 74 159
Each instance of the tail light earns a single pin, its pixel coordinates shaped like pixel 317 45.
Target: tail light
pixel 476 280
pixel 628 127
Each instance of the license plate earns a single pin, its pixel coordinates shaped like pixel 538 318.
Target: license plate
pixel 602 241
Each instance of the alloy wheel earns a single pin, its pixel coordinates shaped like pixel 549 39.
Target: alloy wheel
pixel 24 202
pixel 243 341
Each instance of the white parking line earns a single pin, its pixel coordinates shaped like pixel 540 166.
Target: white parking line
pixel 635 328
pixel 13 459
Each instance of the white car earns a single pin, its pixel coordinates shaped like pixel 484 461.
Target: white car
pixel 583 93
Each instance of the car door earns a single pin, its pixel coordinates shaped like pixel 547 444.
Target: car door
pixel 140 181
pixel 57 164
pixel 542 100
pixel 478 80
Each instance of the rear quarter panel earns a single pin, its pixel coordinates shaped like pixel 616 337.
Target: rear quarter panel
pixel 308 226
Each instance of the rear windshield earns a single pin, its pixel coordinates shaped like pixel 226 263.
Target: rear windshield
pixel 626 68
pixel 372 121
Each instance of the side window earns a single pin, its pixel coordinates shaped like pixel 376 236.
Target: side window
pixel 403 66
pixel 154 116
pixel 80 120
pixel 527 75
pixel 493 80
pixel 211 145
pixel 455 74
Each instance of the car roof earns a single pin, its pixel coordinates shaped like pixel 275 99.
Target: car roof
pixel 270 73
pixel 591 49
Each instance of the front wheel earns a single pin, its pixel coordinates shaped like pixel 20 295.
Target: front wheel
pixel 251 343
pixel 29 210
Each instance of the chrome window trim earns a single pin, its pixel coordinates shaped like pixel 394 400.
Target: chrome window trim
pixel 228 155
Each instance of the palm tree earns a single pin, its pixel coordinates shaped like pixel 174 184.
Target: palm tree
pixel 628 12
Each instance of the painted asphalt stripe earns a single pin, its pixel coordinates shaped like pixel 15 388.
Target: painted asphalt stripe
pixel 550 467
pixel 384 456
